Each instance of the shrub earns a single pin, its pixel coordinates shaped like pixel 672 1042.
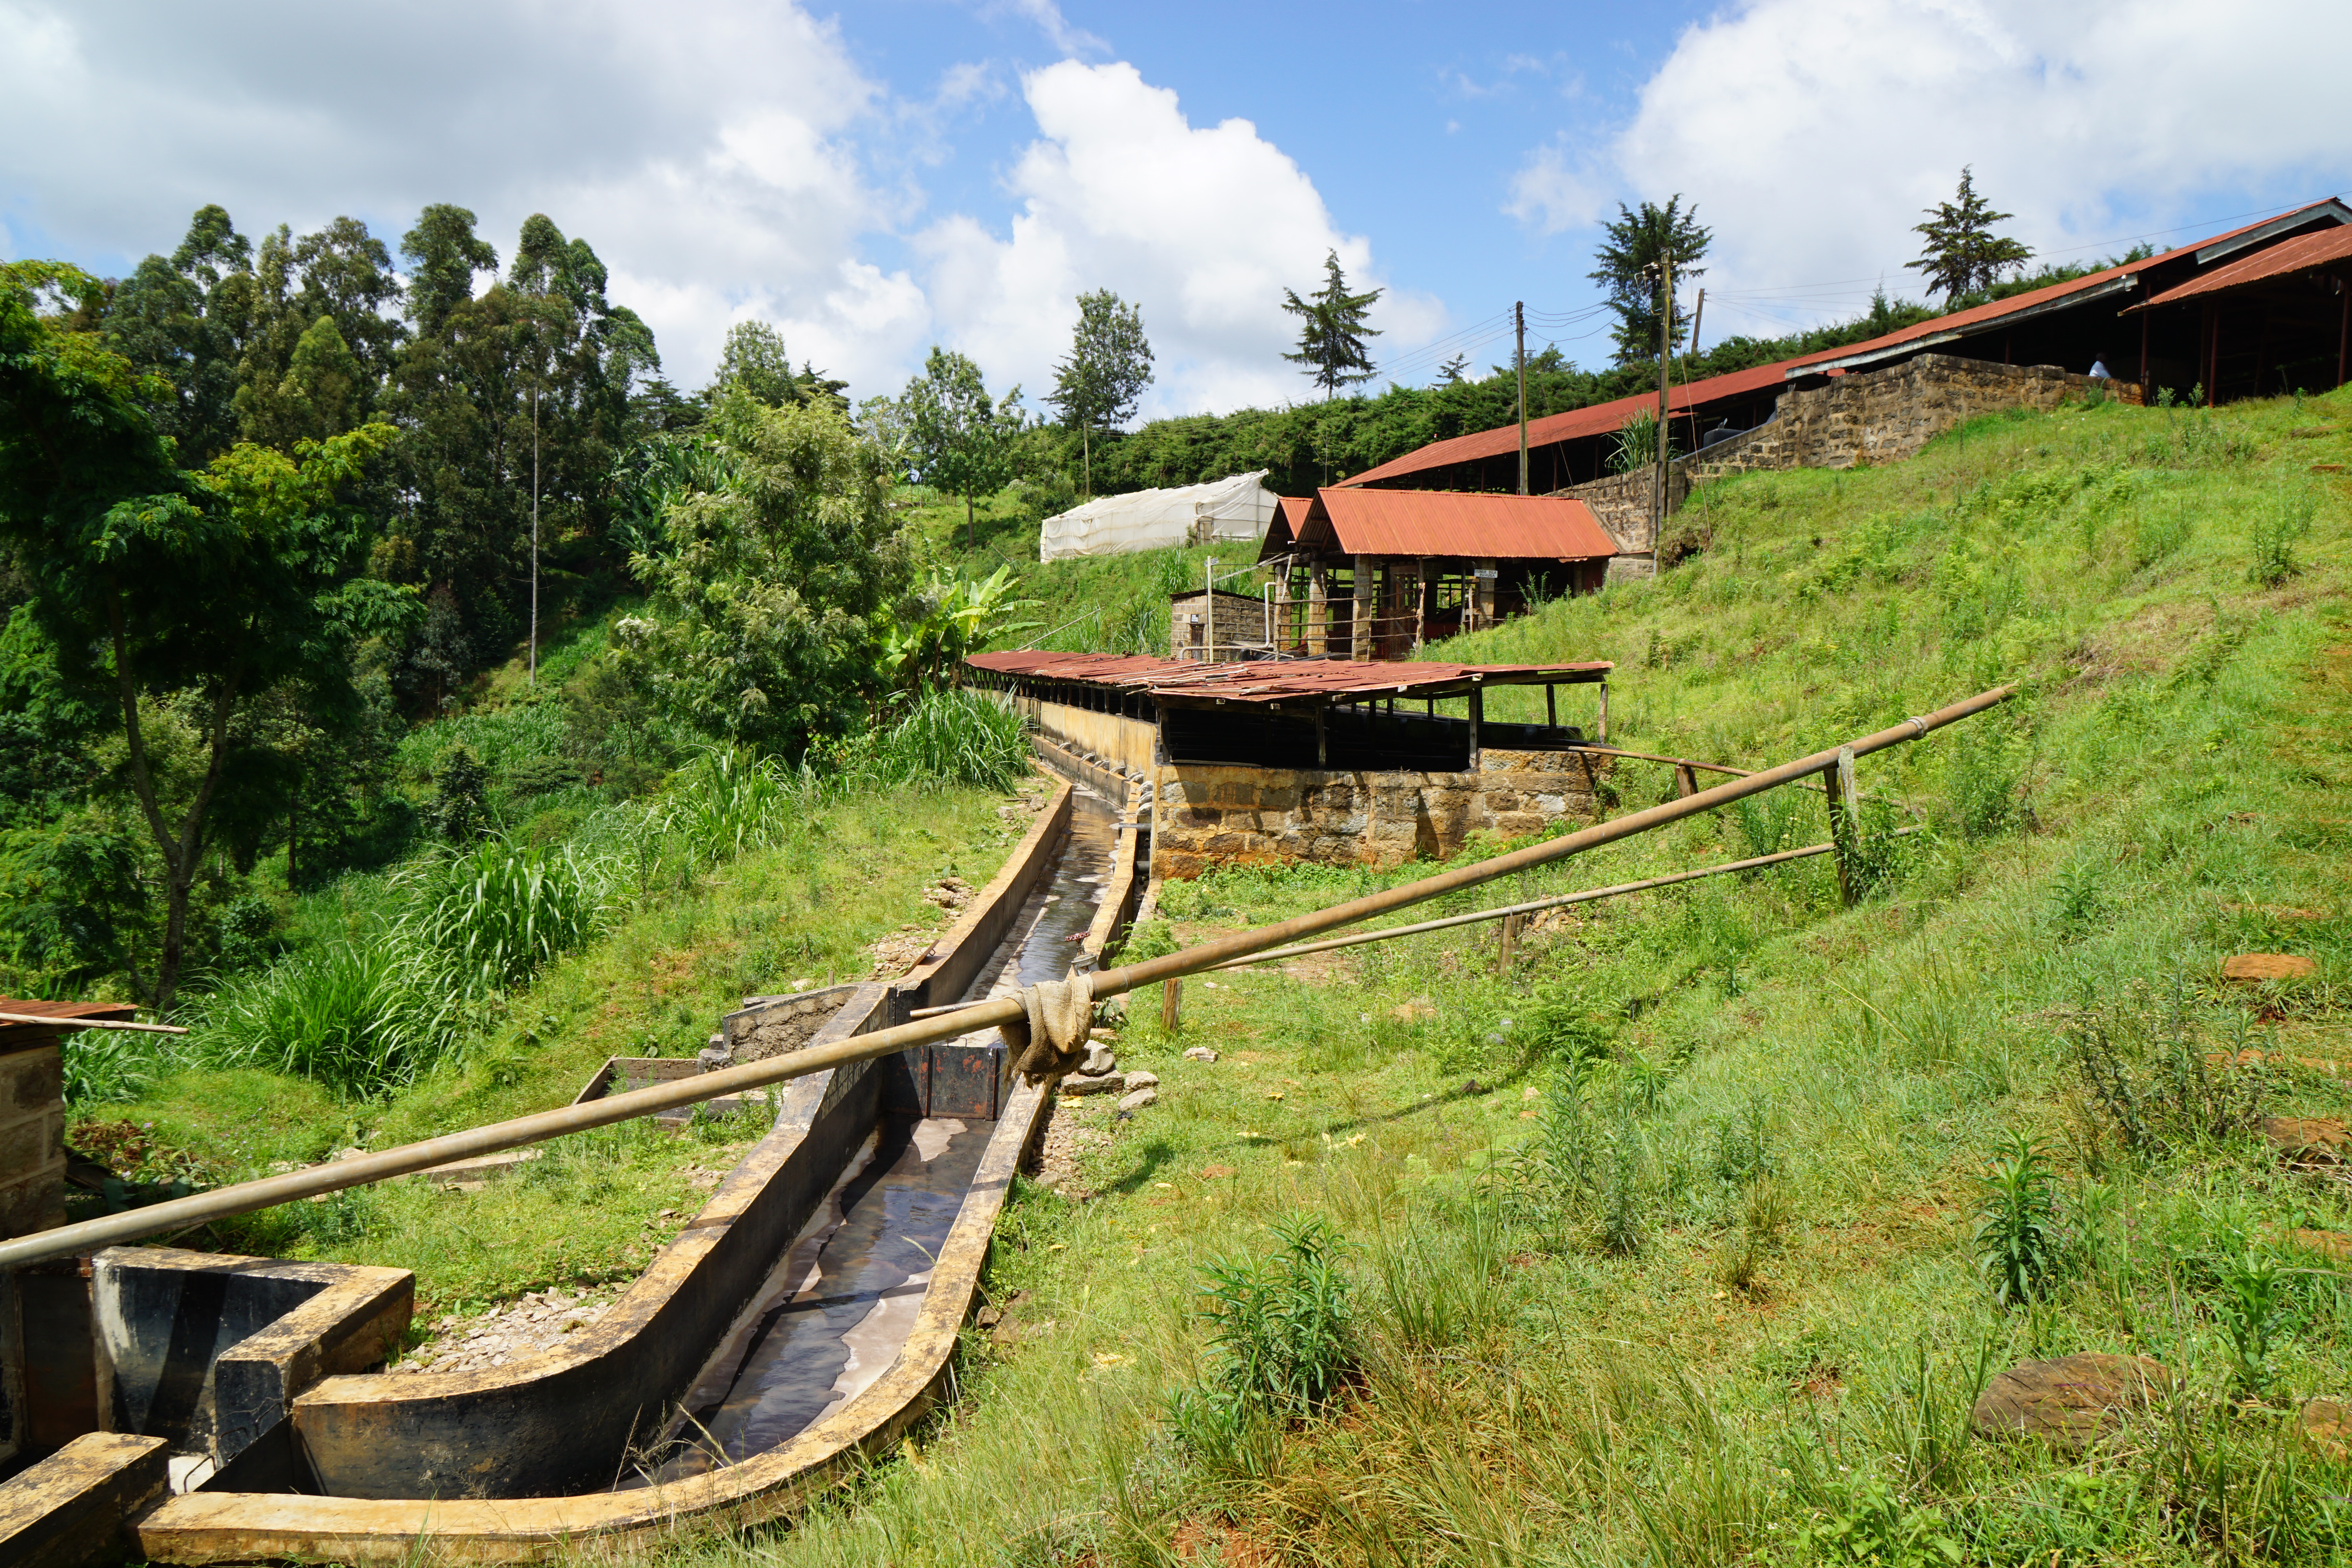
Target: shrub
pixel 2277 528
pixel 2148 1084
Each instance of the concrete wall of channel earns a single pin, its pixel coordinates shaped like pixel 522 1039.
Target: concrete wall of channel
pixel 1216 815
pixel 1128 744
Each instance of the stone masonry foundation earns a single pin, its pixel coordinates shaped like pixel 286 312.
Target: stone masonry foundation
pixel 1211 815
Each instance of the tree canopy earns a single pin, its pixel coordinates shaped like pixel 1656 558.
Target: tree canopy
pixel 1097 385
pixel 959 439
pixel 1632 246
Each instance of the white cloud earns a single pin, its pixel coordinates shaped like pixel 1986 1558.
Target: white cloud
pixel 1203 226
pixel 727 158
pixel 1812 132
pixel 708 151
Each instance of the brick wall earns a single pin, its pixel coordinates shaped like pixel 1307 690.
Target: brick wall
pixel 1210 815
pixel 32 1138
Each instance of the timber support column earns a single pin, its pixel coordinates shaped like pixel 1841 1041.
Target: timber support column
pixel 1361 632
pixel 1482 576
pixel 1319 610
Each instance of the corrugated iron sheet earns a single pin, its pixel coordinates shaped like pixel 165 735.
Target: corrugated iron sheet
pixel 1277 680
pixel 1456 524
pixel 1603 417
pixel 2300 254
pixel 1600 419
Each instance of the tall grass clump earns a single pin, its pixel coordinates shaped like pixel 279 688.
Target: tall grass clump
pixel 366 1018
pixel 947 737
pixel 360 1018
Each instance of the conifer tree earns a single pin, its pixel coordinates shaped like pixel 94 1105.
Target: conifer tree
pixel 1332 332
pixel 1963 255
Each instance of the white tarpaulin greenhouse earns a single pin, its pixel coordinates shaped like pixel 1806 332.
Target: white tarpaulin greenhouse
pixel 1236 507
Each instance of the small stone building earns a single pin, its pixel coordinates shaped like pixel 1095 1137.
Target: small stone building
pixel 1332 760
pixel 1206 628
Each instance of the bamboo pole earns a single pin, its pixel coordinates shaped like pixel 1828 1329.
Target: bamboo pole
pixel 91 1024
pixel 244 1197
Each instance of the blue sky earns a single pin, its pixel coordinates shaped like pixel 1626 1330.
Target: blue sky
pixel 877 178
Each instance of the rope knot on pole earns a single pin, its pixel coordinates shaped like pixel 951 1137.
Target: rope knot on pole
pixel 1050 1038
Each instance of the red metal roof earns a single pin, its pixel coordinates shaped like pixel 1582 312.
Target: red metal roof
pixel 1277 680
pixel 1604 417
pixel 1597 419
pixel 2300 254
pixel 1454 523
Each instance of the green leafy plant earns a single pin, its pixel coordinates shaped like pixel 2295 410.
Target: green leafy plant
pixel 2277 529
pixel 2254 1310
pixel 1869 1522
pixel 2021 1248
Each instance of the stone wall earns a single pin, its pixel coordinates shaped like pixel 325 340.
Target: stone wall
pixel 1240 622
pixel 1626 506
pixel 32 1129
pixel 1885 415
pixel 1210 815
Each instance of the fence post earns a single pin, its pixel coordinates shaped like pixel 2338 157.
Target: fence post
pixel 1845 821
pixel 1172 1004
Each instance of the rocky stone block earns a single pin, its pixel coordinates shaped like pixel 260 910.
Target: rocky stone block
pixel 2070 1401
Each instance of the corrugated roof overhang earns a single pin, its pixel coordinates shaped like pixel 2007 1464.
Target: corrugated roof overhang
pixel 1273 683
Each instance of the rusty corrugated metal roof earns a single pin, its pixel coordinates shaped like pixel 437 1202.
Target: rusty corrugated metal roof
pixel 2300 254
pixel 1272 682
pixel 1604 417
pixel 1456 522
pixel 1596 419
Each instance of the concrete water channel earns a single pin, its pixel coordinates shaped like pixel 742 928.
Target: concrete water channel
pixel 838 1309
pixel 803 1321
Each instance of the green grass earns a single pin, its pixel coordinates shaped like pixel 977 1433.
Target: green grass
pixel 654 983
pixel 1693 1273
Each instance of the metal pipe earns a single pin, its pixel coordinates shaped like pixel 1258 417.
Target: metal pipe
pixel 244 1197
pixel 1556 901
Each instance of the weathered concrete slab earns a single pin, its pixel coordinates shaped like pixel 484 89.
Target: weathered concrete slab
pixel 73 1508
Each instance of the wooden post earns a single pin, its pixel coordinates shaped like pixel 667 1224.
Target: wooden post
pixel 1846 820
pixel 1359 634
pixel 1685 780
pixel 2344 333
pixel 1477 711
pixel 1171 1005
pixel 1322 752
pixel 1601 729
pixel 1509 939
pixel 1482 580
pixel 1318 609
pixel 1551 706
pixel 1426 572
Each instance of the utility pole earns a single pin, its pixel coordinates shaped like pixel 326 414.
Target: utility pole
pixel 1666 353
pixel 1519 318
pixel 534 536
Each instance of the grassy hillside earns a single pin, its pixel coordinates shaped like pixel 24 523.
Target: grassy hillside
pixel 1662 1244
